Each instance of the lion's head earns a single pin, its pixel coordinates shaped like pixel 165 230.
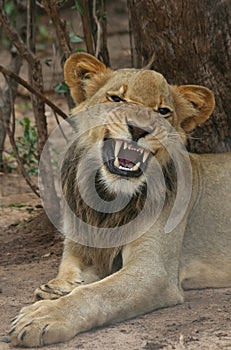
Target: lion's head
pixel 127 138
pixel 128 122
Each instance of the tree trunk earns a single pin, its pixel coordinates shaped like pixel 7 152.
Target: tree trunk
pixel 191 41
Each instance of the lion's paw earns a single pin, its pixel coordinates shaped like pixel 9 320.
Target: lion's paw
pixel 40 324
pixel 55 289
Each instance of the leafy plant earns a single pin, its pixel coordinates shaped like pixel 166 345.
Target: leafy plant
pixel 9 162
pixel 26 145
pixel 10 9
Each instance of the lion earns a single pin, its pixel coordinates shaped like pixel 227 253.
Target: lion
pixel 97 285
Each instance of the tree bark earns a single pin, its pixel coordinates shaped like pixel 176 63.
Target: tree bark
pixel 191 41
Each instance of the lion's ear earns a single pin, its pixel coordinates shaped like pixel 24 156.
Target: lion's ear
pixel 77 69
pixel 200 105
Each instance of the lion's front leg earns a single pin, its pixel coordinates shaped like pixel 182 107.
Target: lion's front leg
pixel 72 274
pixel 113 299
pixel 110 300
pixel 142 285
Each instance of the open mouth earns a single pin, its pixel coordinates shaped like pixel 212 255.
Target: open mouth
pixel 125 158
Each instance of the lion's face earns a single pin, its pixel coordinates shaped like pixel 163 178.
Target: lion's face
pixel 120 142
pixel 139 116
pixel 126 143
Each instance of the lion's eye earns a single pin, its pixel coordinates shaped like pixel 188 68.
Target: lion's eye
pixel 163 110
pixel 115 98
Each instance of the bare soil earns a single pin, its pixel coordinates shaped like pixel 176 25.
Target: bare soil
pixel 30 251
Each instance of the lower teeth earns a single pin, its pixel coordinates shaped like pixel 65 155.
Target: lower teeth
pixel 134 168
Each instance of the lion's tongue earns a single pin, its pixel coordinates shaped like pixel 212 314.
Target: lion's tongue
pixel 126 163
pixel 128 158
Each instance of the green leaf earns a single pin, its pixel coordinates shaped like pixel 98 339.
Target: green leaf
pixel 48 62
pixel 61 88
pixel 10 8
pixel 104 17
pixel 43 32
pixel 79 49
pixel 17 205
pixel 75 38
pixel 77 6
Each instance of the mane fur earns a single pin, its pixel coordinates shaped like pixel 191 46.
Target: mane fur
pixel 98 219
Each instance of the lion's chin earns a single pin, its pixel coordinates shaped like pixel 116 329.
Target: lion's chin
pixel 117 184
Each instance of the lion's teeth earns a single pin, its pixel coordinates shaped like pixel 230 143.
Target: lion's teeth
pixel 125 145
pixel 118 145
pixel 136 167
pixel 129 147
pixel 116 162
pixel 145 156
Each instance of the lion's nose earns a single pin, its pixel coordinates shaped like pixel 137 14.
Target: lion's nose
pixel 136 131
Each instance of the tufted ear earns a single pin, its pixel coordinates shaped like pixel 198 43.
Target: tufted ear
pixel 79 68
pixel 199 105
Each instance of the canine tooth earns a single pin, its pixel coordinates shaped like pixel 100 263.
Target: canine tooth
pixel 145 156
pixel 116 162
pixel 118 145
pixel 125 145
pixel 136 167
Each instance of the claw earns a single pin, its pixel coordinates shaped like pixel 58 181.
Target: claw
pixel 16 319
pixel 47 286
pixel 37 297
pixel 21 337
pixel 44 330
pixel 12 330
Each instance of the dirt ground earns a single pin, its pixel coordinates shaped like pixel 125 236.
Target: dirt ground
pixel 30 251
